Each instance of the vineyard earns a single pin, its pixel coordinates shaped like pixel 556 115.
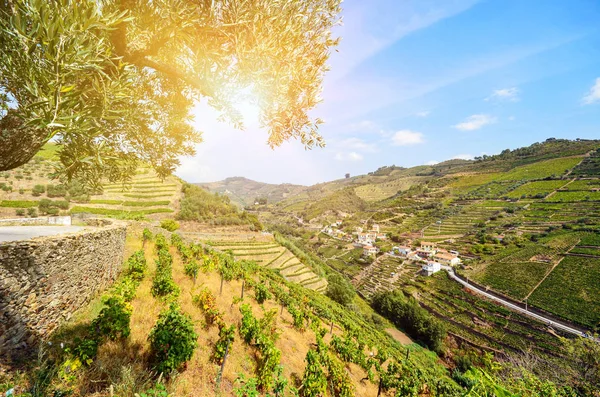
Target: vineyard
pixel 229 327
pixel 273 256
pixel 32 184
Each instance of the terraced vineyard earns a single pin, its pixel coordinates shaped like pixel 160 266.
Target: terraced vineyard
pixel 273 256
pixel 26 186
pixel 386 274
pixel 468 317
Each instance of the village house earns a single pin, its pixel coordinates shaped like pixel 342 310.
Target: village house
pixel 431 268
pixel 428 247
pixel 337 223
pixel 370 250
pixel 375 228
pixel 424 254
pixel 413 256
pixel 446 258
pixel 404 251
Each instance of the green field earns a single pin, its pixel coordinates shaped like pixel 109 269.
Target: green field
pixel 572 291
pixel 538 188
pixel 544 169
pixel 575 196
pixel 118 213
pixel 515 279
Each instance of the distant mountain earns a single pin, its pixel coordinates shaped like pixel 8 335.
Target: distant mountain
pixel 243 191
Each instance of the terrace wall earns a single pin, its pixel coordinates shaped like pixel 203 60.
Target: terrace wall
pixel 43 281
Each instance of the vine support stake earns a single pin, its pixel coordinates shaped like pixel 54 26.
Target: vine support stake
pixel 379 388
pixel 243 285
pixel 281 312
pixel 331 329
pixel 407 354
pixel 221 290
pixel 220 376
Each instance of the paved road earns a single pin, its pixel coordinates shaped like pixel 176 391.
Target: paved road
pixel 513 306
pixel 16 233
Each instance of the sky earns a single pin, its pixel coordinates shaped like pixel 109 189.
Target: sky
pixel 422 81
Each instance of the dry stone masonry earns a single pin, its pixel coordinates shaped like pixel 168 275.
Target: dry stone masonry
pixel 45 280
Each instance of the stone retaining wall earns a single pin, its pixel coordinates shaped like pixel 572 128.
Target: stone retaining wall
pixel 43 281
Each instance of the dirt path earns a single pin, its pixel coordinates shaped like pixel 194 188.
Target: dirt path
pixel 399 336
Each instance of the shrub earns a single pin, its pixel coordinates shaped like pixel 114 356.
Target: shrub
pixel 206 301
pixel 126 288
pixel 163 285
pixel 85 349
pixel 146 235
pixel 261 292
pixel 191 269
pixel 56 191
pixel 314 382
pixel 32 212
pixel 136 265
pixel 339 289
pixel 170 225
pixel 20 212
pixel 113 320
pixel 38 190
pixel 407 314
pixel 226 337
pixel 172 340
pixel 21 191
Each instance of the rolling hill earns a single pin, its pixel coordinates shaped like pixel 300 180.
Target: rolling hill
pixel 244 192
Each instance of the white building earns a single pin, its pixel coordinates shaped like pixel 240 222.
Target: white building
pixel 370 250
pixel 404 251
pixel 446 258
pixel 428 247
pixel 375 228
pixel 431 268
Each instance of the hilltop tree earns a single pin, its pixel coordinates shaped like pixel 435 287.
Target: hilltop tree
pixel 113 81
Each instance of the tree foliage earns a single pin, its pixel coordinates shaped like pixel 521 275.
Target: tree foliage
pixel 113 81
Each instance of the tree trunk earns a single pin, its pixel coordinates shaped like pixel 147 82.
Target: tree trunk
pixel 18 143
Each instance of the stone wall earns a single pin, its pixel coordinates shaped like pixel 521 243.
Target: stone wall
pixel 43 281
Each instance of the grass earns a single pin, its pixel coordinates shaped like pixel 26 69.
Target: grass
pixel 536 188
pixel 119 213
pixel 515 279
pixel 146 196
pixel 541 170
pixel 132 203
pixel 19 203
pixel 575 196
pixel 572 291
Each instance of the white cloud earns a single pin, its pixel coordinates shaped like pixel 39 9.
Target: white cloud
pixel 594 94
pixel 424 113
pixel 432 162
pixel 359 144
pixel 505 94
pixel 475 122
pixel 512 118
pixel 407 137
pixel 351 156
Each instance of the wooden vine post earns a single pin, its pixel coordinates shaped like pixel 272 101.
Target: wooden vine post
pixel 220 376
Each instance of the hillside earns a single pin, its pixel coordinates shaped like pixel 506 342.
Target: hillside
pixel 264 333
pixel 245 192
pixel 525 222
pixel 31 190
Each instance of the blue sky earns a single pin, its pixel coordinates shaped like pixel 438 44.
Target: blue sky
pixel 418 82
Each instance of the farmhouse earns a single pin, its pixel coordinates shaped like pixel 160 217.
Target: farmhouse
pixel 413 256
pixel 446 258
pixel 424 254
pixel 404 251
pixel 375 228
pixel 370 250
pixel 428 247
pixel 431 268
